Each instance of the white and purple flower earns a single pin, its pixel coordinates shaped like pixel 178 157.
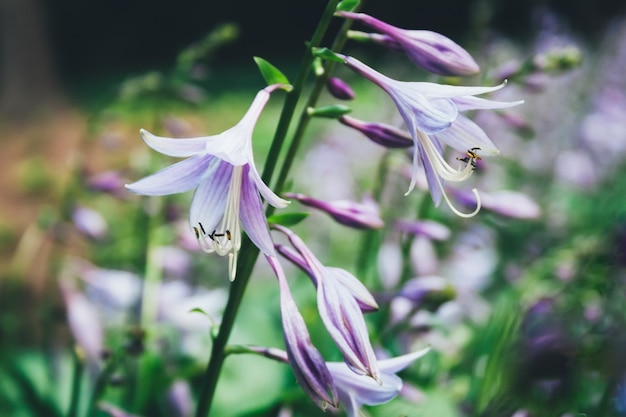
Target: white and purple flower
pixel 227 185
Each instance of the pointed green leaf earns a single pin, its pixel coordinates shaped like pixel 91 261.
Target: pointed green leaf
pixel 348 5
pixel 270 73
pixel 198 310
pixel 287 219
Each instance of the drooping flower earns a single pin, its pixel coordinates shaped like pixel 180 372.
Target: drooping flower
pixel 222 171
pixel 431 114
pixel 430 50
pixel 357 390
pixel 306 362
pixel 339 310
pixel 363 215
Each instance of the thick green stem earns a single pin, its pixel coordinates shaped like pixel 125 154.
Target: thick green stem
pixel 249 252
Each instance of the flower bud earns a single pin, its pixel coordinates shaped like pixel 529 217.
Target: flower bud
pixel 349 213
pixel 380 133
pixel 339 89
pixel 333 111
pixel 430 50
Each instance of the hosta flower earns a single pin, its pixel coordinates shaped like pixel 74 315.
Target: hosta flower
pixel 221 169
pixel 431 114
pixel 357 390
pixel 339 310
pixel 305 360
pixel 430 50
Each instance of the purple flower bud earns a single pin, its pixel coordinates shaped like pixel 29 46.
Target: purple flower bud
pixel 89 222
pixel 306 362
pixel 339 89
pixel 349 213
pixel 108 182
pixel 380 133
pixel 421 288
pixel 430 50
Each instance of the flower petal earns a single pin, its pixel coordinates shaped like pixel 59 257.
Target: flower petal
pixel 252 215
pixel 476 103
pixel 181 148
pixel 398 363
pixel 464 134
pixel 355 287
pixel 450 91
pixel 427 115
pixel 265 191
pixel 177 178
pixel 209 200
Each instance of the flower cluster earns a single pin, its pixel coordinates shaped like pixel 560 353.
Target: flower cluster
pixel 228 191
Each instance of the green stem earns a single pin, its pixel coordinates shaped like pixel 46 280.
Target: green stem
pixel 77 383
pixel 293 97
pixel 305 117
pixel 249 252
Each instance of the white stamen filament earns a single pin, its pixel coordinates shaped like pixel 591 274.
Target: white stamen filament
pixel 448 173
pixel 226 240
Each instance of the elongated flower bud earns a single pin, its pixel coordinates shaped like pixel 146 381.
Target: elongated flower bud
pixel 380 133
pixel 430 50
pixel 339 89
pixel 349 213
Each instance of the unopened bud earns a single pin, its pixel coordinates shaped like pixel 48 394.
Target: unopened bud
pixel 380 133
pixel 339 89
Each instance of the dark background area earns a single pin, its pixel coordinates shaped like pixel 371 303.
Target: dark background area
pixel 93 37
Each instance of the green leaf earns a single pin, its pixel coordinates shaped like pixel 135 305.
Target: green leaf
pixel 348 5
pixel 287 219
pixel 270 73
pixel 327 54
pixel 198 310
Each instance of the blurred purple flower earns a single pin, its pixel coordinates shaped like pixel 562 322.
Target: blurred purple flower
pixel 429 228
pixel 221 169
pixel 339 89
pixel 340 311
pixel 83 319
pixel 109 182
pixel 180 399
pixel 431 114
pixel 507 203
pixel 357 390
pixel 175 261
pixel 115 289
pixel 430 50
pixel 380 133
pixel 306 362
pixel 89 222
pixel 363 215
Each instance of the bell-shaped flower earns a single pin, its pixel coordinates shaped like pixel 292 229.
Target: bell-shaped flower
pixel 363 215
pixel 339 310
pixel 306 362
pixel 357 390
pixel 221 169
pixel 430 50
pixel 431 114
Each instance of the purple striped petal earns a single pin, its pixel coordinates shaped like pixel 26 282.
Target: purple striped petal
pixel 177 178
pixel 209 200
pixel 465 103
pixel 465 134
pixel 265 191
pixel 252 215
